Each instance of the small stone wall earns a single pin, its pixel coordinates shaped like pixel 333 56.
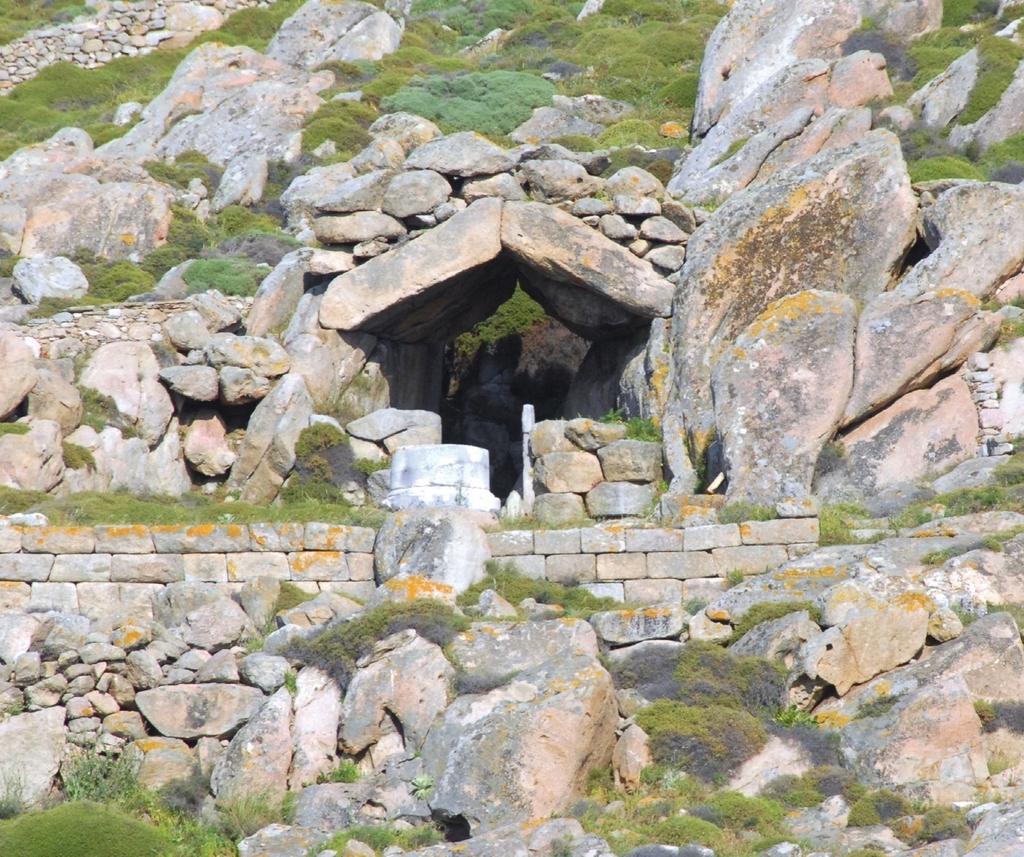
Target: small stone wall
pixel 985 392
pixel 118 30
pixel 97 570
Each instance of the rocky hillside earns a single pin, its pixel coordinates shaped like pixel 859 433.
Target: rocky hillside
pixel 511 428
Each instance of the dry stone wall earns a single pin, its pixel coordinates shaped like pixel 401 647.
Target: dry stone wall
pixel 102 570
pixel 119 29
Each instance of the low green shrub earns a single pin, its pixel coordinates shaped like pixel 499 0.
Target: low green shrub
pixel 289 597
pixel 185 168
pixel 734 811
pixel 83 830
pixel 12 791
pixel 998 60
pixel 737 513
pixel 379 838
pixel 943 822
pixel 112 282
pixel 102 779
pixel 337 648
pixel 77 457
pixel 768 611
pixel 513 318
pixel 237 221
pixel 99 411
pixel 1007 155
pixel 707 741
pixel 711 675
pixel 630 132
pixel 944 167
pixel 812 788
pixel 343 122
pixel 879 807
pixel 346 772
pixel 514 587
pixel 490 102
pixel 687 830
pixel 836 522
pixel 242 816
pixel 235 277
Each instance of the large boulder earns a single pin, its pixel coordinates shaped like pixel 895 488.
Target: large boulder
pixel 258 758
pixel 324 31
pixel 267 454
pixel 397 694
pixel 32 461
pixel 195 710
pixel 943 98
pixel 52 397
pixel 446 546
pixel 19 375
pixel 129 374
pixel 33 750
pixel 431 287
pixel 524 750
pixel 315 727
pixel 793 233
pixel 779 393
pixel 212 90
pixel 49 277
pixel 590 283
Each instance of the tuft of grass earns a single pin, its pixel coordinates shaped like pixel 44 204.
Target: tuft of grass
pixel 101 779
pixel 630 132
pixel 737 513
pixel 998 59
pixel 77 457
pixel 336 648
pixel 382 837
pixel 836 521
pixel 793 716
pixel 343 122
pixel 514 587
pixel 243 816
pixel 13 429
pixel 346 772
pixel 944 167
pixel 235 277
pixel 768 611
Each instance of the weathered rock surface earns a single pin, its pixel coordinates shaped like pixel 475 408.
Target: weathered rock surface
pixel 322 31
pixel 258 758
pixel 33 750
pixel 195 710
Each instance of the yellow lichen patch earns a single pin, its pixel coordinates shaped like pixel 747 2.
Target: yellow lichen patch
pixel 303 562
pixel 200 531
pixel 415 586
pixel 957 294
pixel 832 719
pixel 805 573
pixel 914 601
pixel 672 130
pixel 126 531
pixel 127 239
pixel 718 614
pixel 166 529
pixel 882 689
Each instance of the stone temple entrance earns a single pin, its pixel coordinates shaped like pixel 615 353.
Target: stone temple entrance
pixel 498 262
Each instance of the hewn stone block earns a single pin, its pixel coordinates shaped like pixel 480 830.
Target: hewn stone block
pixel 550 542
pixel 14 597
pixel 25 567
pixel 360 566
pixel 205 567
pixel 568 472
pixel 621 566
pixel 62 597
pixel 750 559
pixel 146 568
pixel 681 566
pixel 80 567
pixel 570 568
pixel 783 531
pixel 610 539
pixel 649 540
pixel 335 537
pixel 107 600
pixel 703 588
pixel 711 536
pixel 615 591
pixel 358 590
pixel 277 537
pixel 530 565
pixel 511 543
pixel 10 538
pixel 201 538
pixel 128 538
pixel 649 591
pixel 249 566
pixel 57 540
pixel 318 565
pixel 619 499
pixel 631 461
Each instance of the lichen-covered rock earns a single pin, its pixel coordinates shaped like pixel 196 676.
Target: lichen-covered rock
pixel 258 758
pixel 195 710
pixel 323 31
pixel 779 393
pixel 33 750
pixel 622 627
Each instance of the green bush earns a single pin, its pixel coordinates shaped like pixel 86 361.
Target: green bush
pixel 244 815
pixel 78 457
pixel 336 648
pixel 878 807
pixel 706 741
pixel 956 13
pixel 998 59
pixel 710 675
pixel 379 838
pixel 943 822
pixel 812 788
pixel 944 167
pixel 515 587
pixel 738 513
pixel 1007 154
pixel 734 811
pixel 344 122
pixel 513 318
pixel 681 92
pixel 83 830
pixel 112 282
pixel 183 169
pixel 99 411
pixel 102 779
pixel 237 277
pixel 492 102
pixel 768 611
pixel 290 596
pixel 237 220
pixel 630 132
pixel 686 830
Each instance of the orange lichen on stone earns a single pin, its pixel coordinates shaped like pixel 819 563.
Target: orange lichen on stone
pixel 416 586
pixel 832 719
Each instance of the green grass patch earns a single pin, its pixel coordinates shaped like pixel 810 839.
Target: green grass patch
pixel 13 429
pixel 998 59
pixel 836 522
pixel 768 612
pixel 492 103
pixel 737 513
pixel 944 167
pixel 346 772
pixel 185 168
pixel 515 587
pixel 18 17
pixel 879 807
pixel 381 837
pixel 77 457
pixel 84 830
pixel 235 277
pixel 630 132
pixel 344 123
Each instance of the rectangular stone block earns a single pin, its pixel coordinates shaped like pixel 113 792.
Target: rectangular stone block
pixel 14 597
pixel 711 536
pixel 649 591
pixel 531 565
pixel 610 539
pixel 703 588
pixel 357 590
pixel 318 565
pixel 750 559
pixel 80 567
pixel 550 542
pixel 107 601
pixel 621 566
pixel 615 591
pixel 201 538
pixel 205 567
pixel 25 567
pixel 123 538
pixel 784 531
pixel 62 597
pixel 511 543
pixel 284 538
pixel 10 538
pixel 146 568
pixel 249 566
pixel 681 566
pixel 570 568
pixel 57 540
pixel 336 537
pixel 661 539
pixel 360 566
